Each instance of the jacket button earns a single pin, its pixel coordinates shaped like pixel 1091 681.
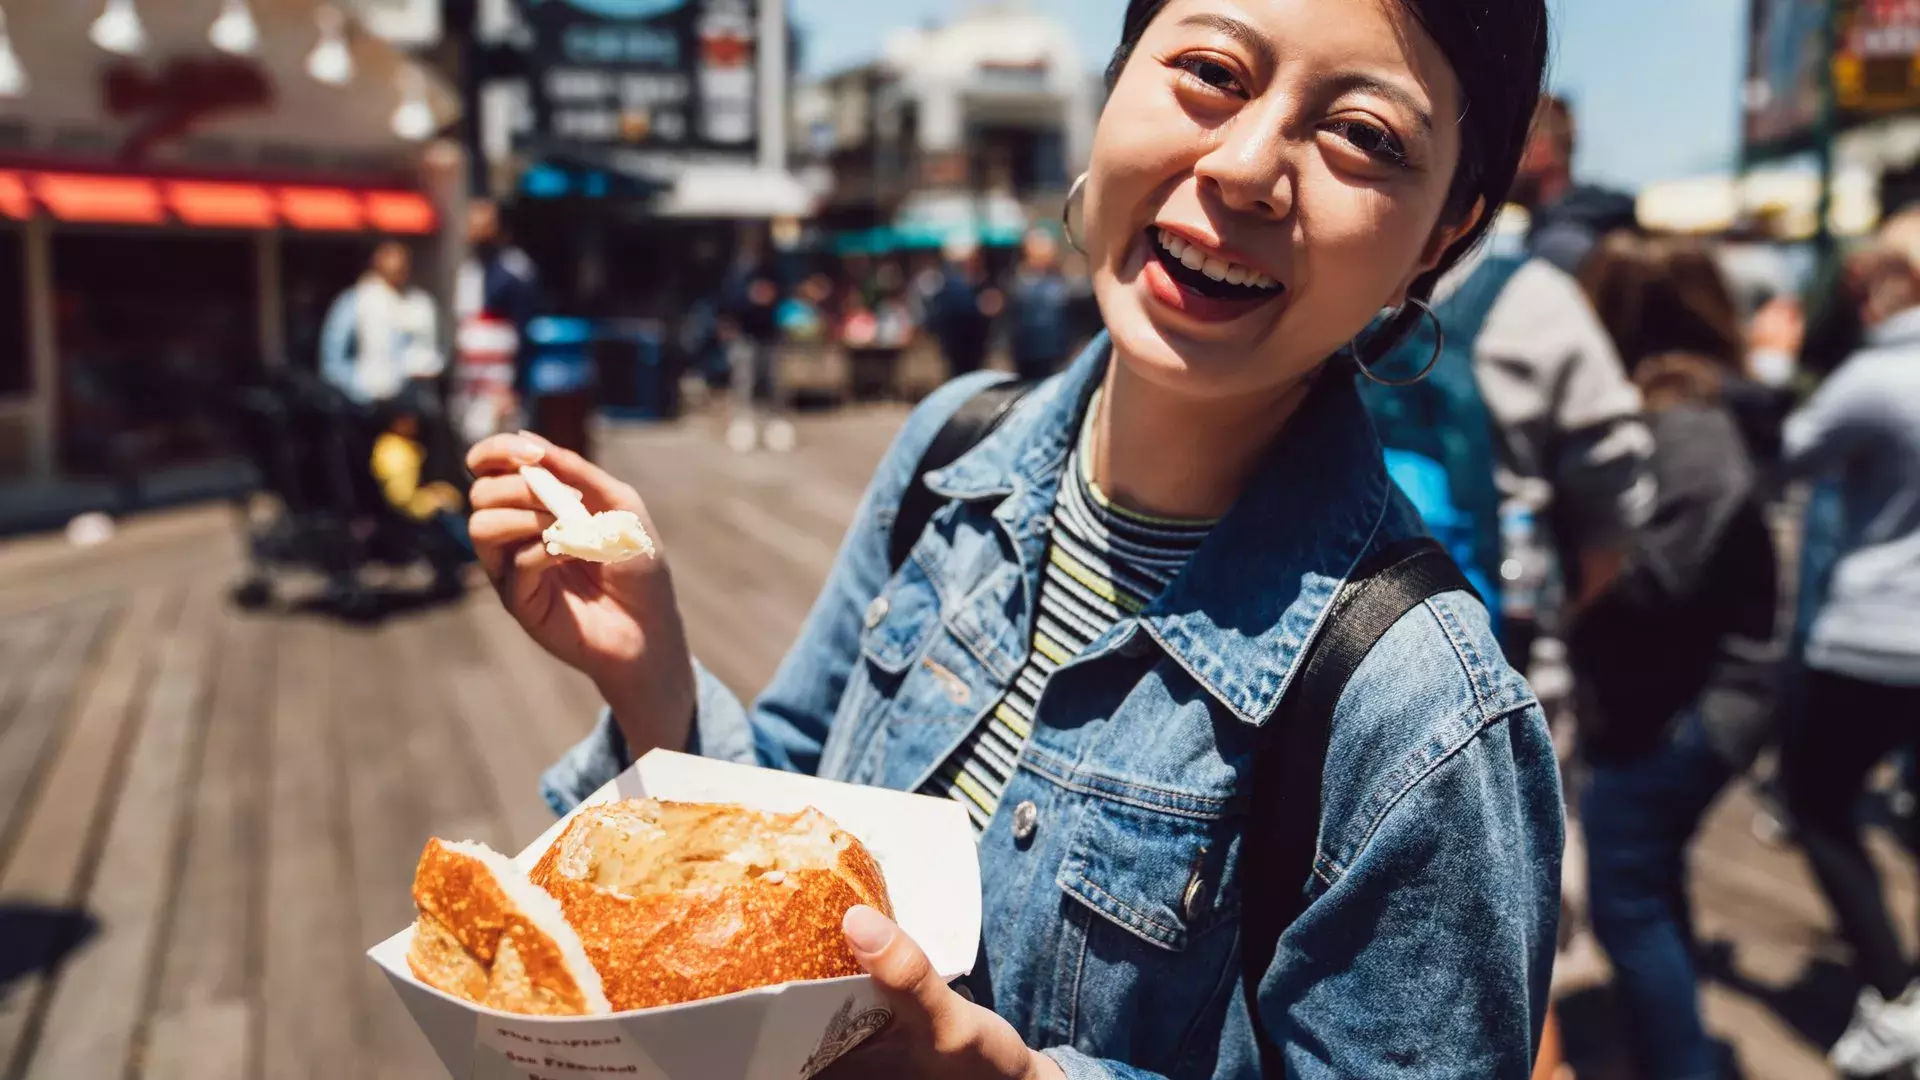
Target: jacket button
pixel 877 611
pixel 1026 819
pixel 1193 903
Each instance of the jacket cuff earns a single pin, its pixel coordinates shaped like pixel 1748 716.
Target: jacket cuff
pixel 1079 1066
pixel 582 770
pixel 721 729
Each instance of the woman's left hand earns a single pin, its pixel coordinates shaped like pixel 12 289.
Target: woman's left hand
pixel 934 1031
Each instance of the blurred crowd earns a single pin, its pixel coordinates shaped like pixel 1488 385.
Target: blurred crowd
pixel 1660 407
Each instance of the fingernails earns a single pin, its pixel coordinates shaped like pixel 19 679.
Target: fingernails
pixel 867 930
pixel 524 450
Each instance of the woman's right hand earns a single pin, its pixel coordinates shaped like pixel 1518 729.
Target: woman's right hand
pixel 618 623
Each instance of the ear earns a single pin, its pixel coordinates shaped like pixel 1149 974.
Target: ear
pixel 1445 235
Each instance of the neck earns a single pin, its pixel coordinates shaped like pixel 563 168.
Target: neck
pixel 1163 454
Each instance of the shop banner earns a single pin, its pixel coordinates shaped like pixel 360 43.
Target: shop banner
pixel 667 75
pixel 1874 58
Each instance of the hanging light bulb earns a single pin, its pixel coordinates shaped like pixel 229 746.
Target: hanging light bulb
pixel 13 78
pixel 118 29
pixel 331 62
pixel 235 31
pixel 413 120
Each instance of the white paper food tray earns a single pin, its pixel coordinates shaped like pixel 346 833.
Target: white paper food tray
pixel 925 848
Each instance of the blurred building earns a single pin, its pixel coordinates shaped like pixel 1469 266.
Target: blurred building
pixel 183 189
pixel 635 139
pixel 974 127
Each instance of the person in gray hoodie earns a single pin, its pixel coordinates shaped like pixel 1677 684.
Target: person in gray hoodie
pixel 1861 430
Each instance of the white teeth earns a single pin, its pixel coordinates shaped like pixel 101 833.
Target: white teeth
pixel 1189 255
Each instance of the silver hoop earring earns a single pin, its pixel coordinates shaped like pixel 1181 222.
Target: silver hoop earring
pixel 1074 194
pixel 1439 345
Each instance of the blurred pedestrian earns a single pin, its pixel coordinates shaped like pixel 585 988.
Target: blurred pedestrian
pixel 1568 218
pixel 961 306
pixel 380 342
pixel 749 324
pixel 1096 628
pixel 1040 327
pixel 1677 671
pixel 1862 655
pixel 496 295
pixel 1569 446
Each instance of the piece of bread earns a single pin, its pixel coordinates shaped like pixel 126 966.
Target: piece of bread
pixel 680 901
pixel 489 935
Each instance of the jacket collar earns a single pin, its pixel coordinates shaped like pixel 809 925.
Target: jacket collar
pixel 1256 593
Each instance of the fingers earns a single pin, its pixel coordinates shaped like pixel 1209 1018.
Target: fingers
pixel 498 534
pixel 500 454
pixel 505 491
pixel 597 486
pixel 896 963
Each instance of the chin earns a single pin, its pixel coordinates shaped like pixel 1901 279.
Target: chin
pixel 1210 362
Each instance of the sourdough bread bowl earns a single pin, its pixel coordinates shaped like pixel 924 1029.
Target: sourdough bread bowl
pixel 488 935
pixel 677 901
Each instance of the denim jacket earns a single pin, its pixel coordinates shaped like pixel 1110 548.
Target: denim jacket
pixel 1112 926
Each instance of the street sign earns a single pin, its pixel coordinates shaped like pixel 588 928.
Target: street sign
pixel 644 75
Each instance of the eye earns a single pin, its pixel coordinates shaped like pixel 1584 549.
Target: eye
pixel 1211 74
pixel 1374 141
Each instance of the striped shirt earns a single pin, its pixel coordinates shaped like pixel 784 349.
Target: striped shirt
pixel 1104 564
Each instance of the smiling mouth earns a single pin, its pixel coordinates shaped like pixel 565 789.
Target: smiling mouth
pixel 1193 269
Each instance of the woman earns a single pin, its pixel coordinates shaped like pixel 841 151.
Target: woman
pixel 1676 658
pixel 1116 595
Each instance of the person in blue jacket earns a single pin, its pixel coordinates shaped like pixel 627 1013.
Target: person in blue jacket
pixel 1120 583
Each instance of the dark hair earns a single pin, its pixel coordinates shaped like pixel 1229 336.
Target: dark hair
pixel 1670 312
pixel 1498 52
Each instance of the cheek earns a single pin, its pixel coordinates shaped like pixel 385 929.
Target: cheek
pixel 1138 151
pixel 1363 245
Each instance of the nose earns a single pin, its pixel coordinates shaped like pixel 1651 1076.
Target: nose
pixel 1251 170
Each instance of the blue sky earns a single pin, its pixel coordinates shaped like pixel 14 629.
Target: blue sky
pixel 1656 82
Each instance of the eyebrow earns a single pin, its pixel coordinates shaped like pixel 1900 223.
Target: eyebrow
pixel 1263 51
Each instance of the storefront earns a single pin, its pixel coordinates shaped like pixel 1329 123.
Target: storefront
pixel 179 202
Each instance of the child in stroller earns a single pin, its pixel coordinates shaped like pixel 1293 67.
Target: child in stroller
pixel 348 481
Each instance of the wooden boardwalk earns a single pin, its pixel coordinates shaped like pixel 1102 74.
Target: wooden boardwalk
pixel 206 816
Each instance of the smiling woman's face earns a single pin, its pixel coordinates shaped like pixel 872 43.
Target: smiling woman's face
pixel 1267 175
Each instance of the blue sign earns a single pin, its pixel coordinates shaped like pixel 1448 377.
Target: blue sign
pixel 624 9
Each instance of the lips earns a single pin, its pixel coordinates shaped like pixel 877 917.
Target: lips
pixel 1208 291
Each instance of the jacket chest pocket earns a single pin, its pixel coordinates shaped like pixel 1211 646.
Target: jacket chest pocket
pixel 1156 929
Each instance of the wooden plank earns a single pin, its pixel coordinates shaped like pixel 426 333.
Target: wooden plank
pixel 48 698
pixel 54 851
pixel 101 995
pixel 197 1042
pixel 311 940
pixel 507 753
pixel 204 1020
pixel 535 682
pixel 389 818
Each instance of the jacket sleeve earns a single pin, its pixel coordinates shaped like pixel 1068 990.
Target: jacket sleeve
pixel 336 345
pixel 1432 953
pixel 1561 398
pixel 1827 429
pixel 787 727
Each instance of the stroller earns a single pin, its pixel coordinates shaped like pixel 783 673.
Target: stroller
pixel 312 448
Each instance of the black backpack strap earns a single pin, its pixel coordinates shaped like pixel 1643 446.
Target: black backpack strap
pixel 1283 826
pixel 974 420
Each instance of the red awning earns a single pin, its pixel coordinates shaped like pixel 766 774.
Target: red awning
pixel 14 200
pixel 119 199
